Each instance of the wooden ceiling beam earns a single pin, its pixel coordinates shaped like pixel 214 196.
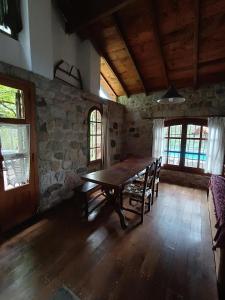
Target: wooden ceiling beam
pixel 110 65
pixel 196 42
pixel 108 84
pixel 80 14
pixel 128 49
pixel 156 33
pixel 116 74
pixel 201 65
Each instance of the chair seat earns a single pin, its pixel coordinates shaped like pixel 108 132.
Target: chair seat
pixel 136 191
pixel 157 180
pixel 140 178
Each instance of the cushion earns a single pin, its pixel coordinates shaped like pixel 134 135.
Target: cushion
pixel 136 191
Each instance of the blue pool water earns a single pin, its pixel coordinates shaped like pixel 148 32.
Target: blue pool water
pixel 188 155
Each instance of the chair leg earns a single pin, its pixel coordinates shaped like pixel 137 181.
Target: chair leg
pixel 121 199
pixel 150 202
pixel 142 210
pixel 86 207
pixel 130 201
pixel 157 190
pixel 152 197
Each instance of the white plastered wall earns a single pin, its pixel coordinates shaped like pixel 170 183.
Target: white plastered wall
pixel 43 42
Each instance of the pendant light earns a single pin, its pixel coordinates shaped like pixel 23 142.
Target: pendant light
pixel 171 97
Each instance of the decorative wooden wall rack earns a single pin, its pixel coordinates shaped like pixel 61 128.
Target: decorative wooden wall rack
pixel 68 74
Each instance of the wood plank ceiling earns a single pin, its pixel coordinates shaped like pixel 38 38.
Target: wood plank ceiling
pixel 147 45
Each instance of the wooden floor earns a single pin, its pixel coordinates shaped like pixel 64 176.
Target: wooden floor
pixel 168 257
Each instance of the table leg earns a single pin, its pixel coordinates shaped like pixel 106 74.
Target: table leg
pixel 118 208
pixel 115 198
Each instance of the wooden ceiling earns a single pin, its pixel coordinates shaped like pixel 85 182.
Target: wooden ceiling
pixel 149 44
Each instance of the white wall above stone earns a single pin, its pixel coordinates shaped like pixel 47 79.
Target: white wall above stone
pixel 43 42
pixel 89 65
pixel 40 17
pixel 65 46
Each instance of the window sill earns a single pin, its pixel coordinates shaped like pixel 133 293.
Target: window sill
pixel 186 169
pixel 94 162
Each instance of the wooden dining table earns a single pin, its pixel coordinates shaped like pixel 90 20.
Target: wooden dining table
pixel 115 177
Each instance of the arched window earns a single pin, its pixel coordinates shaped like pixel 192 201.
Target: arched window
pixel 185 144
pixel 94 135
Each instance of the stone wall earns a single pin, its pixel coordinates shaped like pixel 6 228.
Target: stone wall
pixel 61 123
pixel 141 110
pixel 116 130
pixel 185 179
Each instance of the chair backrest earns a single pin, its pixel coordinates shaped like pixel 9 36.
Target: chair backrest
pixel 149 177
pixel 158 168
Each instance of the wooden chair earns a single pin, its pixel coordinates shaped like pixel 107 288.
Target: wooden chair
pixel 157 175
pixel 140 178
pixel 140 192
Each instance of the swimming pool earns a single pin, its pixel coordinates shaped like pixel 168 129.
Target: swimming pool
pixel 188 155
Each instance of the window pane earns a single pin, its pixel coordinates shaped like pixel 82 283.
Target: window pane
pixel 192 153
pixel 92 128
pixel 99 141
pixel 93 116
pixel 193 131
pixel 175 130
pixel 99 117
pixel 92 154
pixel 99 153
pixel 205 132
pixel 11 103
pixel 15 148
pixel 174 151
pixel 92 141
pixel 165 145
pixel 166 131
pixel 203 154
pixel 99 128
pixel 6 29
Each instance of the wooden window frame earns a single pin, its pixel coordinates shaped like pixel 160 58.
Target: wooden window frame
pixel 184 123
pixel 88 137
pixel 28 89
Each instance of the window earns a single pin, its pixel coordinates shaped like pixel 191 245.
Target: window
pixel 10 17
pixel 11 103
pixel 185 144
pixel 14 137
pixel 94 135
pixel 5 29
pixel 107 88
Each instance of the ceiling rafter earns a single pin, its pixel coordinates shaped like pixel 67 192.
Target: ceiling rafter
pixel 196 42
pixel 115 72
pixel 109 85
pixel 202 65
pixel 122 35
pixel 155 29
pixel 81 14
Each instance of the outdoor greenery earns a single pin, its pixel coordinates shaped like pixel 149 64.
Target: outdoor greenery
pixel 11 106
pixel 8 102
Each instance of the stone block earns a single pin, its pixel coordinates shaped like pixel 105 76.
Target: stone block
pixel 67 164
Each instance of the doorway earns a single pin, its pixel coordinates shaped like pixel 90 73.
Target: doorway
pixel 18 156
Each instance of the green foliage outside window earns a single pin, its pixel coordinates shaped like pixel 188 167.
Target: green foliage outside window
pixel 11 103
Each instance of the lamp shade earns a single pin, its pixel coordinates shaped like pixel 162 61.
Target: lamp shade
pixel 171 96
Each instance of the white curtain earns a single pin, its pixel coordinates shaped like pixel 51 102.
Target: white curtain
pixel 15 148
pixel 105 136
pixel 215 149
pixel 158 137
